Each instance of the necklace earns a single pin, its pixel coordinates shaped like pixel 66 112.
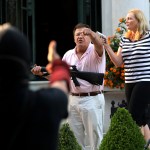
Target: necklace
pixel 133 36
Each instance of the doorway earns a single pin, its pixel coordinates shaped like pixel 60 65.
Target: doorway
pixel 54 22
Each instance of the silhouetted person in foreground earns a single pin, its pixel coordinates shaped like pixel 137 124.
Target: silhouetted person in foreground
pixel 29 119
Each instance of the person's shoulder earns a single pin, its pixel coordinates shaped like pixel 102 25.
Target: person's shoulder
pixel 51 99
pixel 48 95
pixel 69 53
pixel 123 39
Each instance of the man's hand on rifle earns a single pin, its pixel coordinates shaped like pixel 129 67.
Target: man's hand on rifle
pixel 36 70
pixel 57 70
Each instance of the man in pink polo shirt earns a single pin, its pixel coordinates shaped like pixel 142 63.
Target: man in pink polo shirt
pixel 86 102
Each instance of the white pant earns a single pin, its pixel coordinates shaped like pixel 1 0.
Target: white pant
pixel 86 119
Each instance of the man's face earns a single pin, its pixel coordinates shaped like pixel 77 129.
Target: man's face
pixel 80 39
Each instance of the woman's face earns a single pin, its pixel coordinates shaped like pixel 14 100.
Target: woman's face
pixel 131 22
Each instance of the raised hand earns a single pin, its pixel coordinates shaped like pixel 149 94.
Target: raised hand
pixel 52 52
pixel 52 55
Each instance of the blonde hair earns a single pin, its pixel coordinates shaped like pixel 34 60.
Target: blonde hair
pixel 143 24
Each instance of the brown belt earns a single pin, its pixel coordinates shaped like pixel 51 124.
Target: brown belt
pixel 87 94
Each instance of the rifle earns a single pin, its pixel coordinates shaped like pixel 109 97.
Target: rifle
pixel 91 77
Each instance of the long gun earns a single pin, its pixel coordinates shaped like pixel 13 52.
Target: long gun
pixel 91 77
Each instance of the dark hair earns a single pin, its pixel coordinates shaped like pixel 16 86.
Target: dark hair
pixel 15 52
pixel 80 25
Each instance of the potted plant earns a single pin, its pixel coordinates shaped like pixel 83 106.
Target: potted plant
pixel 114 77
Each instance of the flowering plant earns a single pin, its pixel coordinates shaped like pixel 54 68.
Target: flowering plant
pixel 114 76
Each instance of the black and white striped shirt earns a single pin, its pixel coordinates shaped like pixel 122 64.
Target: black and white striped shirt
pixel 136 57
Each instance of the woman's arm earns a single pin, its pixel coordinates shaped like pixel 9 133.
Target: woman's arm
pixel 116 58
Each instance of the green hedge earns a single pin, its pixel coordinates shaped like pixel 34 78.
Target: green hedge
pixel 123 133
pixel 67 140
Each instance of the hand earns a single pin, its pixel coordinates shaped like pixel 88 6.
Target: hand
pixel 36 70
pixel 104 40
pixel 87 31
pixel 52 53
pixel 106 45
pixel 58 70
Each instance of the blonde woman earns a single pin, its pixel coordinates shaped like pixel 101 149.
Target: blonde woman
pixel 134 53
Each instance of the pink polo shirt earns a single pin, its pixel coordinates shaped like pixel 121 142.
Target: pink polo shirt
pixel 91 62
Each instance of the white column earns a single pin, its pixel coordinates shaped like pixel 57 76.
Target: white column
pixel 107 17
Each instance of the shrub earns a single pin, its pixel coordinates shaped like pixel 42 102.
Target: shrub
pixel 67 140
pixel 123 133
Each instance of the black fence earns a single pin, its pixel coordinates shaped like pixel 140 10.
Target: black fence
pixel 123 104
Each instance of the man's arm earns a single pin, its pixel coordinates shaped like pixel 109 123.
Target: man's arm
pixel 96 40
pixel 58 70
pixel 37 70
